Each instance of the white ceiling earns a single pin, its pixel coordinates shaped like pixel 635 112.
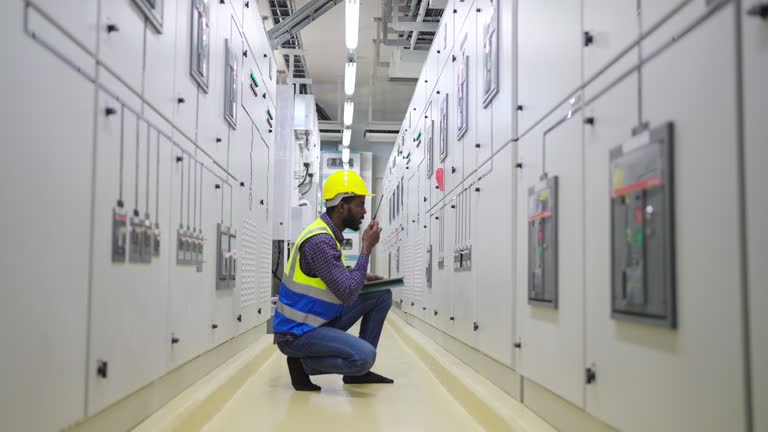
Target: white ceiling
pixel 325 55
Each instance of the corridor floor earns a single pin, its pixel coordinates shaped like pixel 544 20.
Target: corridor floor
pixel 416 402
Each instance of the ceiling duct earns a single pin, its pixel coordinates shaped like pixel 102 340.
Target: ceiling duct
pixel 381 135
pixel 330 131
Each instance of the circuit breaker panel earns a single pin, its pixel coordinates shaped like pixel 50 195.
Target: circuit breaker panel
pixel 226 261
pixel 642 235
pixel 462 251
pixel 542 243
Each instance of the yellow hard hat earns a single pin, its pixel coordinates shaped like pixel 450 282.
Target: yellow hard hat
pixel 344 183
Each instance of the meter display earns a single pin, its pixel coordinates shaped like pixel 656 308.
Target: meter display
pixel 462 92
pixel 230 90
pixel 491 56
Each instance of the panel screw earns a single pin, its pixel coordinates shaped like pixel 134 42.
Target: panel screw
pixel 248 4
pixel 519 107
pixel 239 318
pixel 175 340
pixel 477 145
pixel 453 170
pixel 438 51
pixel 180 100
pixel 261 202
pixel 179 159
pixel 438 92
pixel 245 53
pixel 475 326
pixel 451 318
pixel 112 28
pixel 435 312
pixel 110 111
pixel 477 189
pixel 214 326
pixel 518 345
pixel 217 186
pixel 218 140
pixel 519 165
pixel 589 121
pixel 242 184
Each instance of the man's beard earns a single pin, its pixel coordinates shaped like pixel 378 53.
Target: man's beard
pixel 351 222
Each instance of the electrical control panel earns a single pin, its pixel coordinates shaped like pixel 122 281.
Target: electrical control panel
pixel 444 128
pixel 542 243
pixel 491 56
pixel 119 234
pixel 462 90
pixel 226 261
pixel 201 42
pixel 642 235
pixel 230 85
pixel 153 10
pixel 429 267
pixel 462 251
pixel 140 240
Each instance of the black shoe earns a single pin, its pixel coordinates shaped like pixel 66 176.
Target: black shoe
pixel 299 378
pixel 367 378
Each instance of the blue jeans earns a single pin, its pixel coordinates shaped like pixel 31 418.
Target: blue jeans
pixel 331 350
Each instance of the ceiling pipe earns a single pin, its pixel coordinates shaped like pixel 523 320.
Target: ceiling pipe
pixel 409 24
pixel 420 18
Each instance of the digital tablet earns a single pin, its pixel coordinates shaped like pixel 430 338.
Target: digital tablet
pixel 383 284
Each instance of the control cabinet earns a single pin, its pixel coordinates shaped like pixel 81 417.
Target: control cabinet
pixel 542 243
pixel 642 235
pixel 226 258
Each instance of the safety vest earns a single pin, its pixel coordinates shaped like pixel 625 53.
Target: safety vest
pixel 305 302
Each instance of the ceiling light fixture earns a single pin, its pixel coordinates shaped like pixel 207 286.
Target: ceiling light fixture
pixel 350 72
pixel 346 137
pixel 349 110
pixel 345 155
pixel 352 23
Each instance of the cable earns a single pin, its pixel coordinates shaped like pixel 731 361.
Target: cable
pixel 146 200
pixel 157 183
pixel 189 188
pixel 181 197
pixel 277 264
pixel 122 139
pixel 136 195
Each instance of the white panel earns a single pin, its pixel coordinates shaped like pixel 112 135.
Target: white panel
pixel 160 58
pixel 443 43
pixel 78 17
pixel 455 159
pixel 549 50
pixel 431 72
pixel 483 118
pixel 505 104
pixel 613 25
pixel 184 86
pixel 190 307
pixel 212 128
pixel 493 260
pixel 240 151
pixel 470 138
pixel 461 9
pixel 237 8
pixel 133 348
pixel 755 55
pixel 122 50
pixel 227 301
pixel 464 290
pixel 672 373
pixel 45 182
pixel 552 339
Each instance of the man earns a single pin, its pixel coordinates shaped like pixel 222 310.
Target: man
pixel 320 298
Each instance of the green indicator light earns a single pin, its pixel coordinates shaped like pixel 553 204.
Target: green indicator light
pixel 269 113
pixel 253 78
pixel 639 238
pixel 418 136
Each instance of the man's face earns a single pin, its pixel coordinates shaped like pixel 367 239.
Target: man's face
pixel 354 213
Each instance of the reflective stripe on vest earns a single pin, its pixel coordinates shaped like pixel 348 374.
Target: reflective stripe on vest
pixel 305 302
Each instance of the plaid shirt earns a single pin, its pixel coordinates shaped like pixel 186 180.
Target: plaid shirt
pixel 321 257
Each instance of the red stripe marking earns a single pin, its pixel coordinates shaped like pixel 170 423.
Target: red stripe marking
pixel 641 185
pixel 543 214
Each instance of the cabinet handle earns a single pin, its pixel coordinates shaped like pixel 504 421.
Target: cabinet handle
pixel 112 28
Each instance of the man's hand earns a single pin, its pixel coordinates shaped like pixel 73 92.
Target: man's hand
pixel 371 237
pixel 372 277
